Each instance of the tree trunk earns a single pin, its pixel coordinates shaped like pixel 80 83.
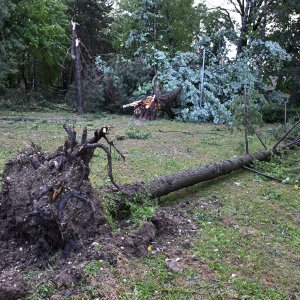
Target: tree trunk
pixel 147 108
pixel 75 53
pixel 246 104
pixel 79 101
pixel 243 35
pixel 166 184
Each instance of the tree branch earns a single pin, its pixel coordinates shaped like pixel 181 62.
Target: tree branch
pixel 109 161
pixel 285 135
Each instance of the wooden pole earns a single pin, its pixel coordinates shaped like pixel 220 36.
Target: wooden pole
pixel 285 116
pixel 246 120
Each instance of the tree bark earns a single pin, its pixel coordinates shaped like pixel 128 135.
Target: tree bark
pixel 166 184
pixel 243 38
pixel 75 53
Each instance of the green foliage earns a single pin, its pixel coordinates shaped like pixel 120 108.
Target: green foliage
pixel 281 169
pixel 141 208
pixel 92 268
pixel 137 133
pixel 9 44
pixel 285 30
pixel 44 290
pixel 121 78
pixel 14 99
pixel 154 24
pixel 92 88
pixel 34 41
pixel 254 117
pixel 43 26
pixel 93 19
pixel 274 113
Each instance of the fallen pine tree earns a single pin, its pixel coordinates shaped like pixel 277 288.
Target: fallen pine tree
pixel 169 183
pixel 47 199
pixel 166 184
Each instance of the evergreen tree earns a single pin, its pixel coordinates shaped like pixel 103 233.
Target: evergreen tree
pixel 94 20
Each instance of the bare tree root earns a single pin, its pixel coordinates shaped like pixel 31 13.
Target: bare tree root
pixel 47 198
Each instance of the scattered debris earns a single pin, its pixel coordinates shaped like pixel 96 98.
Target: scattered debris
pixel 174 265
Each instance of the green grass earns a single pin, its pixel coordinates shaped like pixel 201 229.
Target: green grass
pixel 92 267
pixel 250 243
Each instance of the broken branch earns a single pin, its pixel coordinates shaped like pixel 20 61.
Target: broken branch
pixel 285 135
pixel 109 161
pixel 262 174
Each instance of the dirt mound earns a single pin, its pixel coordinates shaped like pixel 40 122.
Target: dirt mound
pixel 48 202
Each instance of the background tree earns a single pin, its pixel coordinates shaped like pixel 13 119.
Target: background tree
pixel 9 45
pixel 155 23
pixel 43 27
pixel 286 30
pixel 93 19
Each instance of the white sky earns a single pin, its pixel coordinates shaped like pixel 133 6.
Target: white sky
pixel 223 4
pixel 214 3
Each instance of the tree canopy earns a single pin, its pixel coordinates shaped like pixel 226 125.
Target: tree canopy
pixel 139 41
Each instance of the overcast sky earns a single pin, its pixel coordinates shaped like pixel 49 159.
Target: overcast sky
pixel 221 3
pixel 212 3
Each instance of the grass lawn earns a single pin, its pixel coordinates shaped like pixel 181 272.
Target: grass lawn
pixel 248 237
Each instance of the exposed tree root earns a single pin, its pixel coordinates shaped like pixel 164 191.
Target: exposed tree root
pixel 47 198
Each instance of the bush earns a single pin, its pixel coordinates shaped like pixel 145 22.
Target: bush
pixel 274 113
pixel 15 99
pixel 136 133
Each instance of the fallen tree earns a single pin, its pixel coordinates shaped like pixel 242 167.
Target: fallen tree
pixel 166 184
pixel 48 201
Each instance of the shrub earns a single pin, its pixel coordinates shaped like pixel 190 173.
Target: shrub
pixel 15 99
pixel 274 113
pixel 136 133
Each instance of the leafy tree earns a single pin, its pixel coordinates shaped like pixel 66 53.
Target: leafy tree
pixel 159 24
pixel 43 27
pixel 286 31
pixel 8 45
pixel 216 26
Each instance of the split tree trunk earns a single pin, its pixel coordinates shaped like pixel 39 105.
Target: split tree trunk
pixel 147 108
pixel 75 53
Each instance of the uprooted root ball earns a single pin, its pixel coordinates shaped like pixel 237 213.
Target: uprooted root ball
pixel 47 199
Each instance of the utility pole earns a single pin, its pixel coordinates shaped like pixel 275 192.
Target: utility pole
pixel 75 53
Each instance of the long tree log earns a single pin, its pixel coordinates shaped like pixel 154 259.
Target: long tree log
pixel 166 184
